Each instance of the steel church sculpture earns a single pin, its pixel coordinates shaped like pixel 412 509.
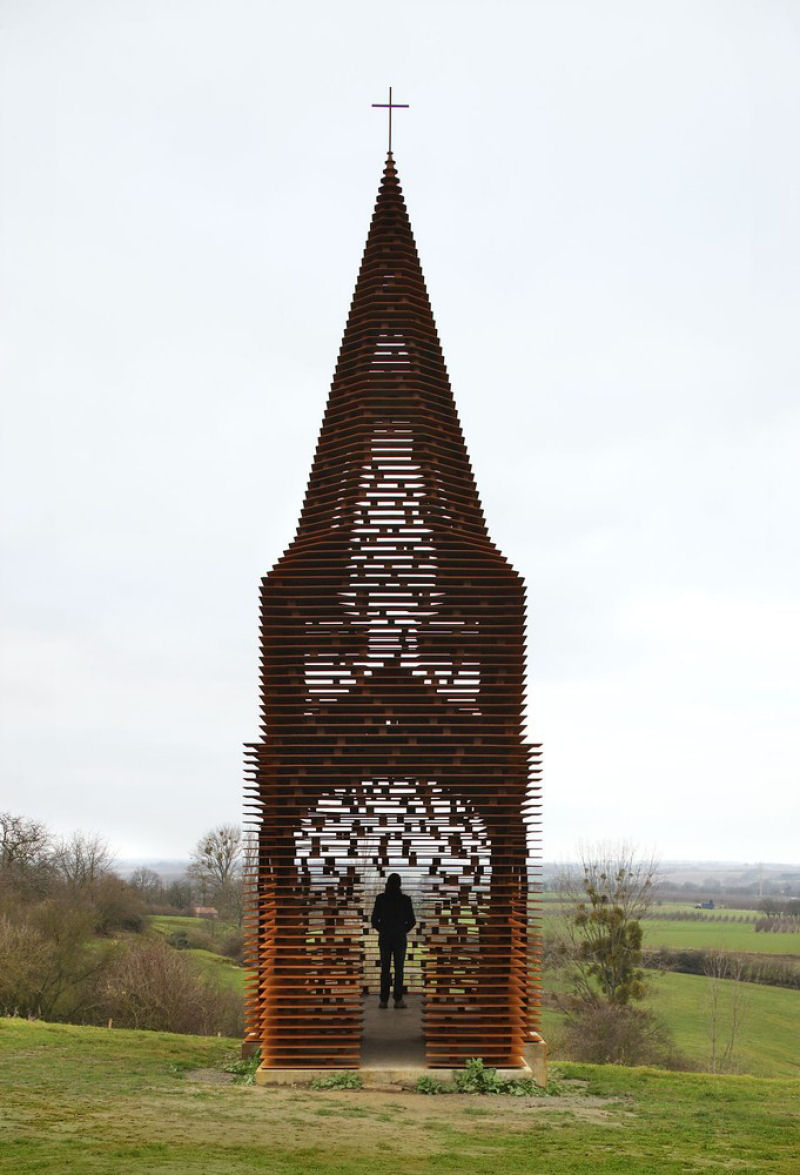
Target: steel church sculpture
pixel 392 663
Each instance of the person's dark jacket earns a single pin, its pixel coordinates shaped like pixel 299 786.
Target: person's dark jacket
pixel 393 915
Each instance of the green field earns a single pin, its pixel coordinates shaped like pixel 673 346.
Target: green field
pixel 219 968
pixel 97 1101
pixel 705 934
pixel 726 936
pixel 768 1041
pixel 668 908
pixel 171 923
pixel 211 964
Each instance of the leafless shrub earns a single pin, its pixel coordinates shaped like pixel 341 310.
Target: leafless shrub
pixel 153 986
pixel 232 946
pixel 778 925
pixel 116 905
pixel 49 969
pixel 618 1034
pixel 24 953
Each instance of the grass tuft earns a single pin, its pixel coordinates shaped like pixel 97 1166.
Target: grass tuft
pixel 244 1068
pixel 348 1080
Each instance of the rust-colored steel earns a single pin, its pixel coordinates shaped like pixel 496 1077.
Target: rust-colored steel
pixel 392 660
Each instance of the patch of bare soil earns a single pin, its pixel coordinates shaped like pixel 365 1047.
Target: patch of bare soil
pixel 466 1111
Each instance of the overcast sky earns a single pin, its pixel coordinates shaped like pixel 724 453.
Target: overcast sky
pixel 605 200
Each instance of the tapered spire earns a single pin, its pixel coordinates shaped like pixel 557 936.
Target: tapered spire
pixel 391 375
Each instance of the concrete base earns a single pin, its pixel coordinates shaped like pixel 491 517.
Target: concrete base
pixel 393 1053
pixel 536 1059
pixel 377 1078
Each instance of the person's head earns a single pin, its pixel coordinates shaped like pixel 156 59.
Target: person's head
pixel 393 883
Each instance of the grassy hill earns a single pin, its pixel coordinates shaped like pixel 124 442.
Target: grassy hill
pixel 94 1101
pixel 767 1042
pixel 212 928
pixel 210 935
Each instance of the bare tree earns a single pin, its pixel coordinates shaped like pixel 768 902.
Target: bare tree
pixel 178 893
pixel 82 860
pixel 152 986
pixel 147 883
pixel 216 860
pixel 726 1007
pixel 25 856
pixel 250 852
pixel 23 843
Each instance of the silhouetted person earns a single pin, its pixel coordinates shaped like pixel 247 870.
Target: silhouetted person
pixel 392 917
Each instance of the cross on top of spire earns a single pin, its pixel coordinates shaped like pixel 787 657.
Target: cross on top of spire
pixel 390 106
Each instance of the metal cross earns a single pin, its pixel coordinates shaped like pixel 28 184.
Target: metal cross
pixel 390 106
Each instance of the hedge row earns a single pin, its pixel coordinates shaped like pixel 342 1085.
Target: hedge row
pixel 775 972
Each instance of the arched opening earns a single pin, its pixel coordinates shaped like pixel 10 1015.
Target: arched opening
pixel 357 835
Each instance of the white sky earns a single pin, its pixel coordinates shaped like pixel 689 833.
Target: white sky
pixel 605 199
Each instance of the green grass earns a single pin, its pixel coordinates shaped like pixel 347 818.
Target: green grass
pixel 167 924
pixel 94 1101
pixel 767 1041
pixel 666 909
pixel 218 967
pixel 727 936
pixel 705 934
pixel 551 898
pixel 214 966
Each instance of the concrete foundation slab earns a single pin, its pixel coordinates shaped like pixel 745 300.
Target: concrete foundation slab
pixel 374 1078
pixel 393 1053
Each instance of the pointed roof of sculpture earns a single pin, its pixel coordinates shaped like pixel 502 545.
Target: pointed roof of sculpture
pixel 391 375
